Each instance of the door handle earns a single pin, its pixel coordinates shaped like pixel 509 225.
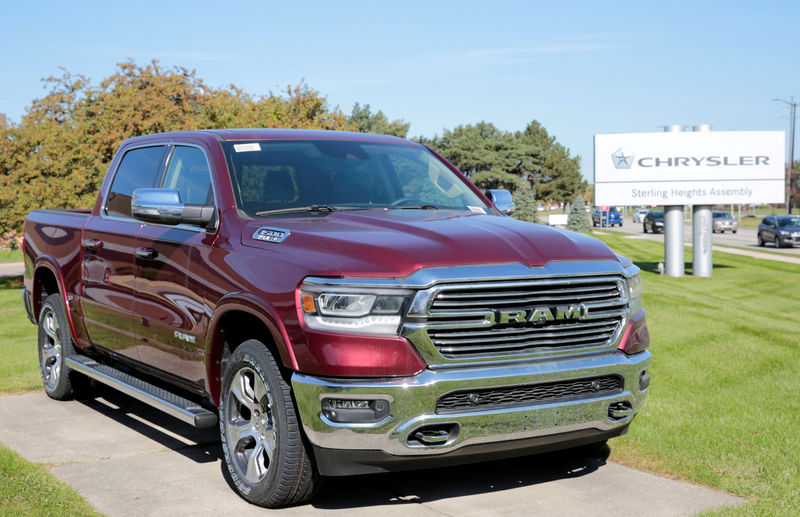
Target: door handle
pixel 146 253
pixel 92 244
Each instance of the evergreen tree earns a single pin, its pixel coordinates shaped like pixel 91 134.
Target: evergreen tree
pixel 524 204
pixel 367 122
pixel 578 219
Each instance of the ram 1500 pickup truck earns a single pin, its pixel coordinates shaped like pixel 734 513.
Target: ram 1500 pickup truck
pixel 337 303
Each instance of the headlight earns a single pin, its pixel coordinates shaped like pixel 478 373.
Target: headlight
pixel 353 310
pixel 634 285
pixel 784 233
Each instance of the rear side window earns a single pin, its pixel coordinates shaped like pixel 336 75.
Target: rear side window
pixel 188 174
pixel 139 168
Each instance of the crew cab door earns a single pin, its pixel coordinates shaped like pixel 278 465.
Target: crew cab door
pixel 170 315
pixel 107 253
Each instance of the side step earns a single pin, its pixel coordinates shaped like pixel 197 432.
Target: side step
pixel 167 402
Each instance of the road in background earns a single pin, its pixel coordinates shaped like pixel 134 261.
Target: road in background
pixel 743 238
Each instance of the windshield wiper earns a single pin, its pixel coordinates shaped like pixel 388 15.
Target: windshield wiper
pixel 417 207
pixel 310 208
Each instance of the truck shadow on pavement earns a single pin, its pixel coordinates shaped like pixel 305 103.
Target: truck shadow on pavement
pixel 199 445
pixel 424 486
pixel 418 486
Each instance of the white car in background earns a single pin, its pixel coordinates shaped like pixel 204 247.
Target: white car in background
pixel 638 215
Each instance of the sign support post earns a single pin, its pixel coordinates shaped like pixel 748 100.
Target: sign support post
pixel 673 230
pixel 702 228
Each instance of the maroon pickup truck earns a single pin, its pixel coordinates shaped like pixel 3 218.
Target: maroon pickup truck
pixel 338 303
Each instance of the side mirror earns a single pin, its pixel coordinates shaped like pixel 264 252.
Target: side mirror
pixel 164 206
pixel 501 199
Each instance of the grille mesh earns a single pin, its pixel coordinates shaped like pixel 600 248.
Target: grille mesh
pixel 524 395
pixel 603 295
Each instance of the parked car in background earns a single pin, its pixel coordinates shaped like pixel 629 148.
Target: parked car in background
pixel 610 218
pixel 653 221
pixel 782 230
pixel 638 215
pixel 722 222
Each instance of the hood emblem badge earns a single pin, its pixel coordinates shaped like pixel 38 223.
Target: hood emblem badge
pixel 267 234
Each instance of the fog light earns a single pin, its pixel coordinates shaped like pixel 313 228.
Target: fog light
pixel 355 411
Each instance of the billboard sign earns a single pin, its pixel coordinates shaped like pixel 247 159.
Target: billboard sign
pixel 691 168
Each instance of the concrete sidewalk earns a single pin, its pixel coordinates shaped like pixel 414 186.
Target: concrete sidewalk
pixel 130 460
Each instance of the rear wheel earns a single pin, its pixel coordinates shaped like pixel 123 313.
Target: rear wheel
pixel 261 441
pixel 55 343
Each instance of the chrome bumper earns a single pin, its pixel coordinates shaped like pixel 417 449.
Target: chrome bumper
pixel 413 402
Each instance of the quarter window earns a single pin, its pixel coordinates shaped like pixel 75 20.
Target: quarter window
pixel 139 168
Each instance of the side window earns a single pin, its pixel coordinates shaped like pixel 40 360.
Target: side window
pixel 139 168
pixel 188 173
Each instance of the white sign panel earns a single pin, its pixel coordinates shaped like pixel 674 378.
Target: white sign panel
pixel 689 168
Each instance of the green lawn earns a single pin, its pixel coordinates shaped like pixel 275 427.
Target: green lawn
pixel 18 360
pixel 723 408
pixel 10 255
pixel 27 489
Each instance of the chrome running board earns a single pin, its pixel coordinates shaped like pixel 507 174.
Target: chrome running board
pixel 161 399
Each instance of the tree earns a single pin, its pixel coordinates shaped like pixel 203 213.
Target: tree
pixel 578 219
pixel 555 174
pixel 524 204
pixel 57 155
pixel 366 122
pixel 482 152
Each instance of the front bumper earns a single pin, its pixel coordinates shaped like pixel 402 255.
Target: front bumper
pixel 353 448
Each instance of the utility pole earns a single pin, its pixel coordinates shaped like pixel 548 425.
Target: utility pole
pixel 790 188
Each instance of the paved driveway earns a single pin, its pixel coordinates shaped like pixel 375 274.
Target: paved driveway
pixel 130 460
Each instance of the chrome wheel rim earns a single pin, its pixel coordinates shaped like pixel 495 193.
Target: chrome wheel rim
pixel 249 425
pixel 50 346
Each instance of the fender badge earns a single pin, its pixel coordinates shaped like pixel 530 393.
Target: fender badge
pixel 271 234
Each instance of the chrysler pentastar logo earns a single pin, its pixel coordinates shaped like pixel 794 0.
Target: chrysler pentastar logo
pixel 622 159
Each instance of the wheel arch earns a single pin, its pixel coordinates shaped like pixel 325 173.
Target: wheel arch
pixel 47 280
pixel 239 317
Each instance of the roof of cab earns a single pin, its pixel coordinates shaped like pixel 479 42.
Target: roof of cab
pixel 238 135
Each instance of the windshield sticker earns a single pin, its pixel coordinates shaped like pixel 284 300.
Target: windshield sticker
pixel 243 148
pixel 476 209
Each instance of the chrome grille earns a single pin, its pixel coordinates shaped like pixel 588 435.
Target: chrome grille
pixel 525 395
pixel 461 317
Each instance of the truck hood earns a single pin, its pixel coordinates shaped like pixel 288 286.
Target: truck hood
pixel 395 243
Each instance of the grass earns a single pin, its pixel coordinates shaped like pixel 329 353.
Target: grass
pixel 27 489
pixel 19 363
pixel 723 408
pixel 7 255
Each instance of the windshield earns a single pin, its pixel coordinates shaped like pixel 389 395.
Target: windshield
pixel 658 216
pixel 783 222
pixel 323 176
pixel 722 215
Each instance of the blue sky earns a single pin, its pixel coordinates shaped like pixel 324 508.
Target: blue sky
pixel 579 68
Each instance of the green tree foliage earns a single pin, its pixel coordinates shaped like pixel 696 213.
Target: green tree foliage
pixel 577 219
pixel 498 159
pixel 524 204
pixel 367 122
pixel 57 155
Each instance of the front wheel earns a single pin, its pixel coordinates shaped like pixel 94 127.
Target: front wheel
pixel 760 240
pixel 261 441
pixel 644 228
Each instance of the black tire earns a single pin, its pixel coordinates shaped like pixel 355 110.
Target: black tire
pixel 644 228
pixel 778 243
pixel 760 240
pixel 260 416
pixel 55 343
pixel 733 231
